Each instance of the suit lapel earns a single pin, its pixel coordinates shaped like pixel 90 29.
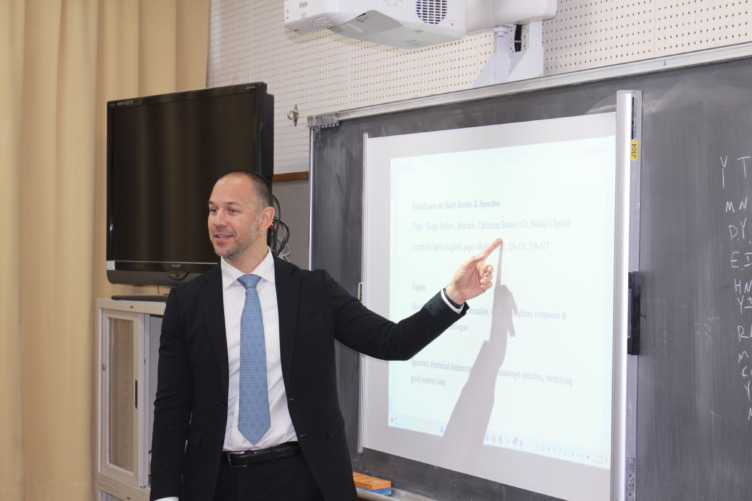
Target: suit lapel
pixel 288 292
pixel 214 315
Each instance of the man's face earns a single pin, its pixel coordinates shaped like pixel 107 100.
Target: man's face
pixel 233 218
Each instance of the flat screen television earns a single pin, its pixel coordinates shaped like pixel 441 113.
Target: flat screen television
pixel 164 154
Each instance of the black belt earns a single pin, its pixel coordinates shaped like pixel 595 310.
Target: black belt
pixel 242 459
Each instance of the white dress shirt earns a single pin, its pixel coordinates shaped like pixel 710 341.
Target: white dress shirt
pixel 281 429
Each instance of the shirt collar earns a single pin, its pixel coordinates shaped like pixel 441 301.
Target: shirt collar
pixel 230 274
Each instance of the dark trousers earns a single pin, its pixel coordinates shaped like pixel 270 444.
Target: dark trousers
pixel 287 479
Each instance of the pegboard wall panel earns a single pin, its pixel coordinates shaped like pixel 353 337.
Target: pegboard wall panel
pixel 698 24
pixel 381 75
pixel 593 33
pixel 322 72
pixel 590 34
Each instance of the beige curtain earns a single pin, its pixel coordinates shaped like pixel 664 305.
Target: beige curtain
pixel 60 62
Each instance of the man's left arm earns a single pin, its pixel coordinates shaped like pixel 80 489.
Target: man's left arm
pixel 373 335
pixel 473 277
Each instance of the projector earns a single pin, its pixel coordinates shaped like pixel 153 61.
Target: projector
pixel 408 24
pixel 411 24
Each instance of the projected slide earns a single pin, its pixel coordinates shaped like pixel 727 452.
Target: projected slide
pixel 519 390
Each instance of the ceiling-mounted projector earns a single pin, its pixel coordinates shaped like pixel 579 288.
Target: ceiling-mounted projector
pixel 411 24
pixel 408 24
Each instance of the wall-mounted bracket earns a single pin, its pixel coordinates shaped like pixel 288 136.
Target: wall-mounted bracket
pixel 506 64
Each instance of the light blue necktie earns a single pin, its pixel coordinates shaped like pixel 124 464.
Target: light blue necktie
pixel 254 420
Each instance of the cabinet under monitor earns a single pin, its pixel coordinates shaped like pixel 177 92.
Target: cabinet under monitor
pixel 128 355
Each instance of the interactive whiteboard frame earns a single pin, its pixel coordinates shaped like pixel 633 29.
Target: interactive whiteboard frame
pixel 626 260
pixel 692 418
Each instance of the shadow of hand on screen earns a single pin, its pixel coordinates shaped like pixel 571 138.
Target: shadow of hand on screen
pixel 467 425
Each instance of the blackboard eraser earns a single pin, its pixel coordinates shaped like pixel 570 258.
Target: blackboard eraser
pixel 373 484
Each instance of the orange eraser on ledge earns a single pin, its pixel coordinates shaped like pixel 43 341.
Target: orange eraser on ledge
pixel 370 483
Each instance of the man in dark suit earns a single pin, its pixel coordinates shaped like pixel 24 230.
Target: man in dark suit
pixel 198 452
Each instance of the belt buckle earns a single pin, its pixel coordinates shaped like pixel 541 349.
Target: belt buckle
pixel 231 457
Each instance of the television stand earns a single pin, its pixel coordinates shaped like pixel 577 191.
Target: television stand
pixel 141 297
